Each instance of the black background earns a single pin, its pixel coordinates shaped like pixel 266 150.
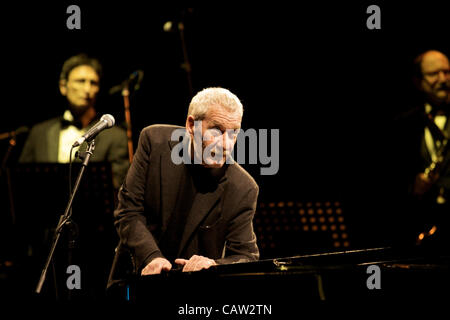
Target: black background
pixel 313 70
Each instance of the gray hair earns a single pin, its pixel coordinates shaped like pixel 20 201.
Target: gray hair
pixel 208 97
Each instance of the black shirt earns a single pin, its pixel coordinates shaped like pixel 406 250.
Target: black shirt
pixel 197 179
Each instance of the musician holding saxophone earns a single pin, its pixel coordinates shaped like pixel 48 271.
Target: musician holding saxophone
pixel 426 149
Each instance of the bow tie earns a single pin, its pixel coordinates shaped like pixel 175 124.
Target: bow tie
pixel 65 123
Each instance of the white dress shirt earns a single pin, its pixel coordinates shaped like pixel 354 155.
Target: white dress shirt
pixel 67 137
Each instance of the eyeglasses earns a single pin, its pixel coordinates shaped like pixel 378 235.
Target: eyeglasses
pixel 437 72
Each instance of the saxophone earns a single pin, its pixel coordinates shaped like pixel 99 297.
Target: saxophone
pixel 435 168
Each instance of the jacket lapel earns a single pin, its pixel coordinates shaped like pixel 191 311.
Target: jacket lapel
pixel 170 184
pixel 53 141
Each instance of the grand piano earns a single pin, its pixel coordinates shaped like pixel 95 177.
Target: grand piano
pixel 371 274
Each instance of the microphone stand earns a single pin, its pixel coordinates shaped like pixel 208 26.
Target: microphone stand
pixel 124 88
pixel 65 218
pixel 126 104
pixel 12 136
pixel 11 144
pixel 186 65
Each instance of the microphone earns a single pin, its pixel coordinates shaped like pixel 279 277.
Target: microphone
pixel 105 122
pixel 135 76
pixel 12 134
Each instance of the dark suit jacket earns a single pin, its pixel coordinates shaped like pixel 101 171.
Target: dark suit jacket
pixel 417 214
pixel 219 225
pixel 413 152
pixel 42 145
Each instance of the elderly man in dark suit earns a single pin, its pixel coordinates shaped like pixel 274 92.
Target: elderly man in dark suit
pixel 51 140
pixel 194 214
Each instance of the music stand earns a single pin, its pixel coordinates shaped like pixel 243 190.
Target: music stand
pixel 287 228
pixel 41 192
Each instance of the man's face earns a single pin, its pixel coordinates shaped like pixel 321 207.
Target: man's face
pixel 436 77
pixel 219 132
pixel 81 88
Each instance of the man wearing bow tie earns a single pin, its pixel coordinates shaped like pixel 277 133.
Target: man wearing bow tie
pixel 51 140
pixel 435 84
pixel 425 164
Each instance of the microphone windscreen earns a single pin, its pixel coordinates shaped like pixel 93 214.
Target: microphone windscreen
pixel 109 120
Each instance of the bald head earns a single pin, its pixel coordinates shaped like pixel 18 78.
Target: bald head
pixel 435 82
pixel 433 61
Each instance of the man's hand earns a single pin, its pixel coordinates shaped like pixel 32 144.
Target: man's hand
pixel 156 266
pixel 195 263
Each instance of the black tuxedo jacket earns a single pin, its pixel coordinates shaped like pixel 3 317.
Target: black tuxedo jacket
pixel 417 214
pixel 42 145
pixel 413 152
pixel 219 225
